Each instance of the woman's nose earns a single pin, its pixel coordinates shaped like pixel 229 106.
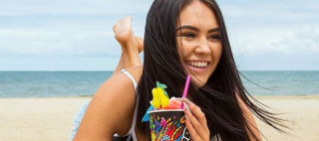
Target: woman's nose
pixel 203 47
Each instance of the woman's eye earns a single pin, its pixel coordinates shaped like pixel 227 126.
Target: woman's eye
pixel 215 37
pixel 189 35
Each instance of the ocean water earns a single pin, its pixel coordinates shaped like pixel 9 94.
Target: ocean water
pixel 85 83
pixel 281 82
pixel 51 84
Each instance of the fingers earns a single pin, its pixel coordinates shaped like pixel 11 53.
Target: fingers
pixel 196 121
pixel 197 128
pixel 197 112
pixel 191 130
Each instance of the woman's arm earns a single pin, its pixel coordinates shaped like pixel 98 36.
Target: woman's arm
pixel 110 110
pixel 249 117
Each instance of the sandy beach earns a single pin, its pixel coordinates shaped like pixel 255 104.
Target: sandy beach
pixel 50 119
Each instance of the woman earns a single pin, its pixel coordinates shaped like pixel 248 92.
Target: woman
pixel 181 37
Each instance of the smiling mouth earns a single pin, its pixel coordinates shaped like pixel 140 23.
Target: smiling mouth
pixel 198 66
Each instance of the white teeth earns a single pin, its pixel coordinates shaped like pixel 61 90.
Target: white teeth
pixel 198 64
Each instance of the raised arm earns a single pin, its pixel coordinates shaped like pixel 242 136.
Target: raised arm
pixel 111 109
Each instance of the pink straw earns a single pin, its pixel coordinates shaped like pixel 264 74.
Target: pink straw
pixel 186 88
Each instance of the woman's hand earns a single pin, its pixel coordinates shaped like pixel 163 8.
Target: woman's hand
pixel 196 121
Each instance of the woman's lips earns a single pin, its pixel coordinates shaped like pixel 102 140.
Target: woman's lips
pixel 197 69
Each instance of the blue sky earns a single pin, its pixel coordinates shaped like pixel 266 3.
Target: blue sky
pixel 77 34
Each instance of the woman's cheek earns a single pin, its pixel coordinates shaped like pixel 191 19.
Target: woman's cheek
pixel 187 46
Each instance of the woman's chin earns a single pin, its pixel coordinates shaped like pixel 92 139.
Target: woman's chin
pixel 199 82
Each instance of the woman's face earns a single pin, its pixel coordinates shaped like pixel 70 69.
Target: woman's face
pixel 199 43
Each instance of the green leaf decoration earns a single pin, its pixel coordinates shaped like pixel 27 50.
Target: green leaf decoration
pixel 163 86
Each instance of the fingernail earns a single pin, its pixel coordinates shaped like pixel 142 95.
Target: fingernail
pixel 186 106
pixel 181 99
pixel 186 118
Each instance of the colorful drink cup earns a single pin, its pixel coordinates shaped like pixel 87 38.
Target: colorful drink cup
pixel 168 125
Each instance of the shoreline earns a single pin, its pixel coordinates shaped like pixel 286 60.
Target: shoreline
pixel 51 118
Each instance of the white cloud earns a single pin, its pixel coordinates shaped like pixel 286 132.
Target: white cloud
pixel 267 40
pixel 62 37
pixel 269 12
pixel 75 7
pixel 304 41
pixel 259 27
pixel 82 28
pixel 53 42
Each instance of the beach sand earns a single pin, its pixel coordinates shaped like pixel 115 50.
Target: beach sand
pixel 50 119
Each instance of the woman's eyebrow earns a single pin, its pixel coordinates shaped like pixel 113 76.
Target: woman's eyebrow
pixel 214 30
pixel 187 27
pixel 196 29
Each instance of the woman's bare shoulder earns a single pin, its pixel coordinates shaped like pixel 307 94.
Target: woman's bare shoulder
pixel 111 108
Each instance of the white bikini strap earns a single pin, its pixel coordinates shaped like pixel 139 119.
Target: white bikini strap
pixel 130 76
pixel 132 129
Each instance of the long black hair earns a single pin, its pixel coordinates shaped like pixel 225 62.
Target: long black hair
pixel 217 98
